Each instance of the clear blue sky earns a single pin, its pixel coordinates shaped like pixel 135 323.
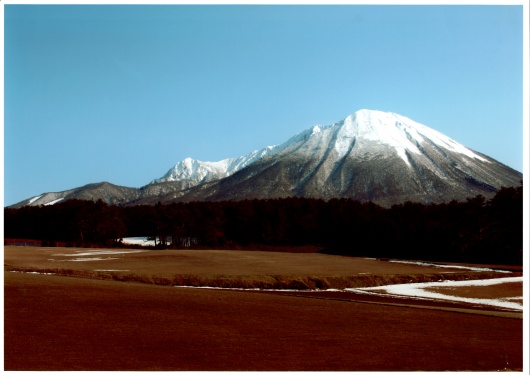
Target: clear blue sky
pixel 122 93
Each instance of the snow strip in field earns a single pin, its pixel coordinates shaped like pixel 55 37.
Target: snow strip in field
pixel 448 266
pixel 416 290
pixel 100 252
pixel 35 272
pixel 88 259
pixel 143 241
pixel 258 289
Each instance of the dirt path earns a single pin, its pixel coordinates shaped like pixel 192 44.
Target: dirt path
pixel 62 323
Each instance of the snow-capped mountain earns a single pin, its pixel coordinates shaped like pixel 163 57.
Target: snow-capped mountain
pixel 369 156
pixel 197 171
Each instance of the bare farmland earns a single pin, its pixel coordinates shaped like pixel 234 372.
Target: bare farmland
pixel 54 322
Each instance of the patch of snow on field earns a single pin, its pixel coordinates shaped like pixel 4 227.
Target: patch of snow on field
pixel 417 290
pixel 88 259
pixel 260 289
pixel 100 252
pixel 214 287
pixel 447 266
pixel 35 272
pixel 112 270
pixel 514 299
pixel 142 241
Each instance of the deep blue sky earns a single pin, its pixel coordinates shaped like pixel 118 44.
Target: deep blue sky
pixel 122 93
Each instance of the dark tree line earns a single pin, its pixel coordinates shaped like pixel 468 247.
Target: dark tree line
pixel 476 230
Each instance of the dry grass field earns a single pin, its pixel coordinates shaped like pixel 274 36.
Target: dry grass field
pixel 73 313
pixel 228 268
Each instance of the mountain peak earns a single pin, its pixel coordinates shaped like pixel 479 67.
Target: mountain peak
pixel 363 133
pixel 404 135
pixel 370 155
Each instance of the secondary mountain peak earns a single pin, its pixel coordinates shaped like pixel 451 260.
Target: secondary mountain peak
pixel 196 171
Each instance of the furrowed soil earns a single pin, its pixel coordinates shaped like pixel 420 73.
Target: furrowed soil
pixel 90 321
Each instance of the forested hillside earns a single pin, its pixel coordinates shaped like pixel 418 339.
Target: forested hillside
pixel 477 230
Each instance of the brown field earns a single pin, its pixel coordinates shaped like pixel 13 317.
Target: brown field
pixel 90 321
pixel 227 268
pixel 505 290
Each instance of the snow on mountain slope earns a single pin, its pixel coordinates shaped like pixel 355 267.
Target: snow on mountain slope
pixel 366 129
pixel 371 155
pixel 400 132
pixel 372 127
pixel 205 171
pixel 47 199
pixel 109 193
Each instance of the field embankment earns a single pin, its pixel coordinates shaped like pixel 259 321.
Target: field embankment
pixel 262 281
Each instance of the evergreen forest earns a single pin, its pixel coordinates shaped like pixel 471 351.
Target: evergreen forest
pixel 476 230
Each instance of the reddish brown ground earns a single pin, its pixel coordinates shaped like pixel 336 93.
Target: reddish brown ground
pixel 209 262
pixel 67 323
pixel 504 290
